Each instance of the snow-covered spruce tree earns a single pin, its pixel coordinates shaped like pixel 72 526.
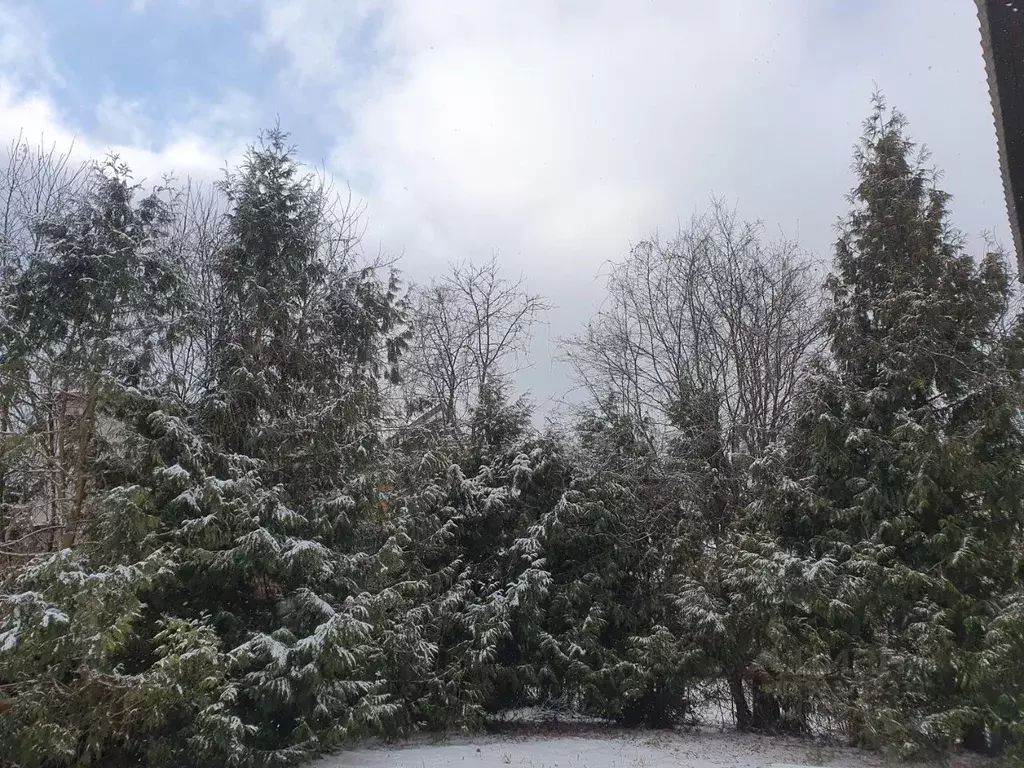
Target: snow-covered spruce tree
pixel 693 596
pixel 514 475
pixel 84 318
pixel 613 442
pixel 605 648
pixel 273 545
pixel 1003 677
pixel 739 601
pixel 224 544
pixel 81 323
pixel 542 578
pixel 436 644
pixel 908 459
pixel 609 546
pixel 466 515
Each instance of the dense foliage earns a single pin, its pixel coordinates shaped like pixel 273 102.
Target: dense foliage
pixel 258 499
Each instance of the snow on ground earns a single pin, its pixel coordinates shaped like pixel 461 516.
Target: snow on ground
pixel 610 749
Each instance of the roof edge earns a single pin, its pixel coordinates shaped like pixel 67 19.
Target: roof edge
pixel 997 116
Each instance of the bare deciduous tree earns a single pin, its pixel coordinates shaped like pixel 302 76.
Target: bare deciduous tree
pixel 471 325
pixel 199 231
pixel 719 315
pixel 37 184
pixel 707 337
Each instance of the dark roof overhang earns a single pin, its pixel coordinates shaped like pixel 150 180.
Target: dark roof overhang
pixel 1002 41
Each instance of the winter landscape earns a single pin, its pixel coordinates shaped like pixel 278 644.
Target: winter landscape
pixel 628 749
pixel 266 499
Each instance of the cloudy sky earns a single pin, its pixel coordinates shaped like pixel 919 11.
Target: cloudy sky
pixel 555 132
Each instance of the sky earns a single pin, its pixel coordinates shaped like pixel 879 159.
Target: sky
pixel 554 133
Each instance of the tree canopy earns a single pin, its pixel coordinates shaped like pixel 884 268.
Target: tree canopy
pixel 260 498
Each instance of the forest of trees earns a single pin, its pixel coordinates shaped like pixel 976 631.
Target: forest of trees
pixel 259 497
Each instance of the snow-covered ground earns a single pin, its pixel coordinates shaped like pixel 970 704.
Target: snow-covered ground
pixel 609 749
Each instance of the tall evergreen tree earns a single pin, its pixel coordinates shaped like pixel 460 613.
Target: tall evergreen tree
pixel 85 318
pixel 273 539
pixel 910 450
pixel 227 545
pixel 82 324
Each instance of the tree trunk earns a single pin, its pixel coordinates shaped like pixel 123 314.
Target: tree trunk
pixel 449 412
pixel 739 702
pixel 81 464
pixel 975 739
pixel 5 428
pixel 55 476
pixel 766 713
pixel 998 741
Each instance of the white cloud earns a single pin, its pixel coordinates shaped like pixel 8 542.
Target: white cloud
pixel 317 38
pixel 196 146
pixel 23 47
pixel 560 132
pixel 554 132
pixel 554 127
pixel 186 152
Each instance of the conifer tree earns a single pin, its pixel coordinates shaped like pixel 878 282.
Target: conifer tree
pixel 227 542
pixel 909 453
pixel 89 311
pixel 83 323
pixel 276 549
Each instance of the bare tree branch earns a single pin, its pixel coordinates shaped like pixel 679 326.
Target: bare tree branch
pixel 471 326
pixel 718 312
